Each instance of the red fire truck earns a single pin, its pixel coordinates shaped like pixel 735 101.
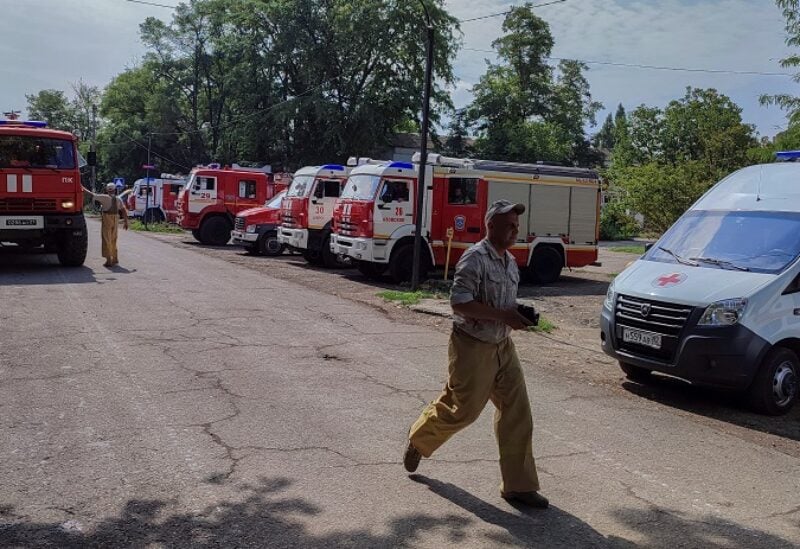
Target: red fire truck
pixel 213 196
pixel 308 212
pixel 162 202
pixel 41 199
pixel 256 229
pixel 374 218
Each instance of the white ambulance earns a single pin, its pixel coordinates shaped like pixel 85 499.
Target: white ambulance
pixel 716 300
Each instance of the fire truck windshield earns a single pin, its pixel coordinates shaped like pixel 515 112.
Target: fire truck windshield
pixel 361 187
pixel 17 151
pixel 301 185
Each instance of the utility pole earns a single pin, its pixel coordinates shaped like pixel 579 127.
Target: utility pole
pixel 93 148
pixel 148 188
pixel 423 153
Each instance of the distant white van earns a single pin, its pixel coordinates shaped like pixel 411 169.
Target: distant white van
pixel 716 300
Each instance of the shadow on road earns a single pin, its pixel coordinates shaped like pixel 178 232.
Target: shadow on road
pixel 27 268
pixel 566 285
pixel 719 405
pixel 262 519
pixel 550 527
pixel 659 527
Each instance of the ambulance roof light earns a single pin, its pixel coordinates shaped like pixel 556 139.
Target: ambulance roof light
pixel 788 156
pixel 30 123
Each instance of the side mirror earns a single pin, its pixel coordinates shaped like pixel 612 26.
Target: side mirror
pixel 648 246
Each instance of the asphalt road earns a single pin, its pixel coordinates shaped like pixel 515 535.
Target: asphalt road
pixel 185 401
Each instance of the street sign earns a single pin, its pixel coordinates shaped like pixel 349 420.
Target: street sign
pixel 148 167
pixel 119 181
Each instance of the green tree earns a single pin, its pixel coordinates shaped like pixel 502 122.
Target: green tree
pixel 788 102
pixel 456 142
pixel 605 139
pixel 53 107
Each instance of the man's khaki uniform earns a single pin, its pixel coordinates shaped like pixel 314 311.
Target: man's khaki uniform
pixel 110 208
pixel 483 366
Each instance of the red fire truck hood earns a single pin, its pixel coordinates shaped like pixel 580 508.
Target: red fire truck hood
pixel 261 215
pixel 37 183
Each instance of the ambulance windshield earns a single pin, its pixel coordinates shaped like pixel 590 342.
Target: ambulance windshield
pixel 301 186
pixel 17 151
pixel 361 187
pixel 758 241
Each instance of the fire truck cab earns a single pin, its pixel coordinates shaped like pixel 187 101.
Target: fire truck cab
pixel 256 229
pixel 374 219
pixel 213 195
pixel 41 199
pixel 161 204
pixel 307 212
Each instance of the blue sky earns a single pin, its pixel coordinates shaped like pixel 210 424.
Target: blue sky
pixel 51 43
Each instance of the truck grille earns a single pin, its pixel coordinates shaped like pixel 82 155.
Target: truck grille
pixel 239 224
pixel 289 221
pixel 27 205
pixel 667 319
pixel 347 228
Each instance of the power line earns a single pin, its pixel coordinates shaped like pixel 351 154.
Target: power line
pixel 482 17
pixel 655 67
pixel 156 4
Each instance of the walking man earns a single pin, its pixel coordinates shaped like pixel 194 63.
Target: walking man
pixel 111 210
pixel 483 362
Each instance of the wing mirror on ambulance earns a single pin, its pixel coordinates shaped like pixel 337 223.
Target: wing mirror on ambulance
pixel 648 246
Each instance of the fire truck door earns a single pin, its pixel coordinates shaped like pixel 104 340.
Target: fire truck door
pixel 462 211
pixel 321 202
pixel 203 193
pixel 393 206
pixel 246 195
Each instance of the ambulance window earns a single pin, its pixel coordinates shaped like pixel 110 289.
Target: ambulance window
pixel 247 188
pixel 333 188
pixel 462 191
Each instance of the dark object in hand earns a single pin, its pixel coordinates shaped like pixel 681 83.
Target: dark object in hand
pixel 529 313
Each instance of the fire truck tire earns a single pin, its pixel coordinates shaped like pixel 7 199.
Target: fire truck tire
pixel 196 234
pixel 312 257
pixel 72 250
pixel 215 231
pixel 401 264
pixel 372 271
pixel 329 259
pixel 546 265
pixel 268 245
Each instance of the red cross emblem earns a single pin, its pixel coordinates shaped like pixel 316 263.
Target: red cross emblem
pixel 669 280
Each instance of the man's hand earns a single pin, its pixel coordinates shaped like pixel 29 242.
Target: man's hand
pixel 515 320
pixel 125 224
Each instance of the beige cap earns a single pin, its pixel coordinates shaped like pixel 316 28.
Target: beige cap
pixel 111 187
pixel 500 207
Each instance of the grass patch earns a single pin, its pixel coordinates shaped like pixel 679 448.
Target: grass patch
pixel 405 298
pixel 638 250
pixel 137 225
pixel 545 326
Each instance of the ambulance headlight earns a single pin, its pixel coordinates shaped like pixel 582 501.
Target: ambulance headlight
pixel 67 204
pixel 724 313
pixel 251 229
pixel 611 296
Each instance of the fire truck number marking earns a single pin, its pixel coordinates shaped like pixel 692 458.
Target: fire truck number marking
pixel 319 210
pixel 205 195
pixel 66 180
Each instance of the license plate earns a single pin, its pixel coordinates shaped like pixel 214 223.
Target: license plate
pixel 639 337
pixel 19 222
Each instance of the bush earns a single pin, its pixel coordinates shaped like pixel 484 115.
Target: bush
pixel 616 223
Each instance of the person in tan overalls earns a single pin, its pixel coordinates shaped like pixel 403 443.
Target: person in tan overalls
pixel 112 209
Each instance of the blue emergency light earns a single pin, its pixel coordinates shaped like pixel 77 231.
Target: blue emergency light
pixel 334 167
pixel 788 156
pixel 29 123
pixel 402 165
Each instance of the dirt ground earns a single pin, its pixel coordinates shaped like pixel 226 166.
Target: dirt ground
pixel 573 304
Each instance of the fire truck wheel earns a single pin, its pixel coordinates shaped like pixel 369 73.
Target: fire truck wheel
pixel 373 271
pixel 329 259
pixel 72 250
pixel 546 265
pixel 215 231
pixel 196 234
pixel 268 245
pixel 312 257
pixel 401 264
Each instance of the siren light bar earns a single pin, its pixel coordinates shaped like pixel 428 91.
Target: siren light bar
pixel 788 156
pixel 29 123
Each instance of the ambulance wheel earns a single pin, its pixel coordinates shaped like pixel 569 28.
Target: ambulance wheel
pixel 774 390
pixel 635 373
pixel 268 245
pixel 401 264
pixel 372 271
pixel 72 250
pixel 215 231
pixel 153 215
pixel 546 265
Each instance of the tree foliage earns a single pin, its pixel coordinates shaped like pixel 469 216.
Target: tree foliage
pixel 524 110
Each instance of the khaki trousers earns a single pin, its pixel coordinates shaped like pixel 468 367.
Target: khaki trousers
pixel 109 227
pixel 478 372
